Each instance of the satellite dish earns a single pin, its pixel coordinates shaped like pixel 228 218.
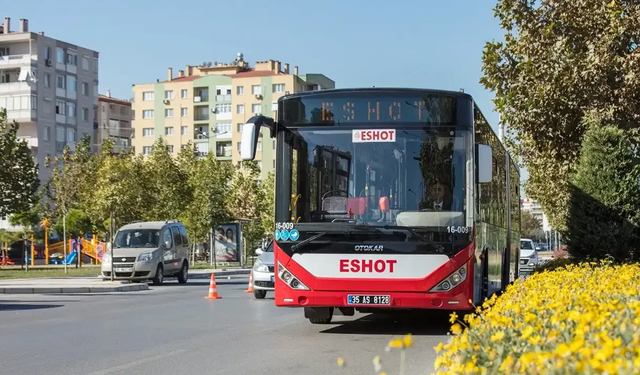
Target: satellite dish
pixel 209 63
pixel 215 63
pixel 240 55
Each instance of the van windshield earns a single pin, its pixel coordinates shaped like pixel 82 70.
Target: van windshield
pixel 526 245
pixel 137 238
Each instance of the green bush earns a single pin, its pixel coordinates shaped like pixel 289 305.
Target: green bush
pixel 605 194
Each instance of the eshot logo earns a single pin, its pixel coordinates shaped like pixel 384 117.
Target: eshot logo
pixel 373 135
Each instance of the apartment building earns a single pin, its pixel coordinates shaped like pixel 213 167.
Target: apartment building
pixel 49 87
pixel 209 103
pixel 114 122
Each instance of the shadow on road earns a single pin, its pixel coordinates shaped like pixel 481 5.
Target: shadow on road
pixel 25 306
pixel 418 324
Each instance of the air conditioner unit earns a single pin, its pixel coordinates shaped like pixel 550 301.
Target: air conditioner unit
pixel 259 96
pixel 197 99
pixel 47 62
pixel 166 101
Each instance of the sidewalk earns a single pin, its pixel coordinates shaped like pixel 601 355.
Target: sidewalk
pixel 84 284
pixel 67 285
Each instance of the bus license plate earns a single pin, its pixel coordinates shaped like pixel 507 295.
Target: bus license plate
pixel 356 299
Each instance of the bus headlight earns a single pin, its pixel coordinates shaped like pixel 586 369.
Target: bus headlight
pixel 289 279
pixel 451 281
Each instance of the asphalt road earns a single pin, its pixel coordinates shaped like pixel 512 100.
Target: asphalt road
pixel 172 329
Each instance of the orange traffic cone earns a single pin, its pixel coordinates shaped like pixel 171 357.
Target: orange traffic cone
pixel 250 288
pixel 213 289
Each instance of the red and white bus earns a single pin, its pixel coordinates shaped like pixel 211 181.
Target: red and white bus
pixel 388 199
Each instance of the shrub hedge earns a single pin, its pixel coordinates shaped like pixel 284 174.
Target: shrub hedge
pixel 581 318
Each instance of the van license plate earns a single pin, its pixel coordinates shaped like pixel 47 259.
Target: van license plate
pixel 357 299
pixel 124 269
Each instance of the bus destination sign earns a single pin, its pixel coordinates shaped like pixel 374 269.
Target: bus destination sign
pixel 369 108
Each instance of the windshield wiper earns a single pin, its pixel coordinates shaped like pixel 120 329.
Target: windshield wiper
pixel 405 229
pixel 297 246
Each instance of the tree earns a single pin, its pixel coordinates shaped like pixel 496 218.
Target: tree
pixel 18 171
pixel 560 59
pixel 604 218
pixel 166 183
pixel 530 226
pixel 247 201
pixel 121 189
pixel 208 180
pixel 78 222
pixel 267 215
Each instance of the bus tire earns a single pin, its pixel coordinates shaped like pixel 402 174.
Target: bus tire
pixel 319 315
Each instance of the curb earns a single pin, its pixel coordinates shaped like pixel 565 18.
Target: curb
pixel 59 290
pixel 207 274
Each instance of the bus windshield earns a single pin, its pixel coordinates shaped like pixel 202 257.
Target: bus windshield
pixel 403 176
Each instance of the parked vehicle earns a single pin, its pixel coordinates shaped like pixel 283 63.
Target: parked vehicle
pixel 264 272
pixel 149 250
pixel 528 256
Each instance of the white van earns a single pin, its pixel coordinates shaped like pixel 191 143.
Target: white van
pixel 528 256
pixel 149 250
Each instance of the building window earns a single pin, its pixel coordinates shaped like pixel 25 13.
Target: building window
pixel 147 149
pixel 184 94
pixel 274 144
pixel 240 90
pixel 168 94
pixel 240 127
pixel 85 89
pixel 147 113
pixel 183 112
pixel 223 129
pixel 168 112
pixel 256 89
pixel 47 80
pixel 240 109
pixel 60 83
pixel 71 110
pixel 259 166
pixel 72 59
pixel 170 149
pixel 46 134
pixel 85 114
pixel 274 163
pixel 184 130
pixel 148 95
pixel 72 83
pixel 223 108
pixel 95 65
pixel 259 146
pixel 59 55
pixel 61 107
pixel 255 108
pixel 147 132
pixel 95 90
pixel 85 63
pixel 279 87
pixel 239 146
pixel 168 130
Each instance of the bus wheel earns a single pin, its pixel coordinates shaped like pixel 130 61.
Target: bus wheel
pixel 319 315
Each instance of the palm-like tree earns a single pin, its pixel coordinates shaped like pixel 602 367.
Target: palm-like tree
pixel 6 239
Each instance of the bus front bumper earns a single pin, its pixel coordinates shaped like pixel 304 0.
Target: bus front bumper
pixel 373 300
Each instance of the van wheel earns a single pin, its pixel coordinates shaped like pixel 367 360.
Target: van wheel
pixel 184 273
pixel 159 277
pixel 259 294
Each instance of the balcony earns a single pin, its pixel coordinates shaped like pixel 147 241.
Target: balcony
pixel 16 88
pixel 223 98
pixel 224 150
pixel 22 115
pixel 32 142
pixel 14 61
pixel 201 98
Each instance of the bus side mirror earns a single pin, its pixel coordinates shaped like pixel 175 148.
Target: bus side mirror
pixel 484 160
pixel 251 133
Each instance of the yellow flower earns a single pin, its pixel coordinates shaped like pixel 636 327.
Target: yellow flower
pixel 395 343
pixel 456 329
pixel 340 362
pixel 497 336
pixel 453 317
pixel 407 340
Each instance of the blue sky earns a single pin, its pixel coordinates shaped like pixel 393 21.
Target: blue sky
pixel 357 43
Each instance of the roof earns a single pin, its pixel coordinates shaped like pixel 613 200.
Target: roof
pixel 104 98
pixel 375 89
pixel 149 224
pixel 253 73
pixel 184 79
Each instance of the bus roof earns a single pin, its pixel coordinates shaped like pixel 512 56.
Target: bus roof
pixel 357 90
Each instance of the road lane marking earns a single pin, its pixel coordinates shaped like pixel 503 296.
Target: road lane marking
pixel 111 370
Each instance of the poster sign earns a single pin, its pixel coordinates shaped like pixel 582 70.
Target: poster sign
pixel 226 243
